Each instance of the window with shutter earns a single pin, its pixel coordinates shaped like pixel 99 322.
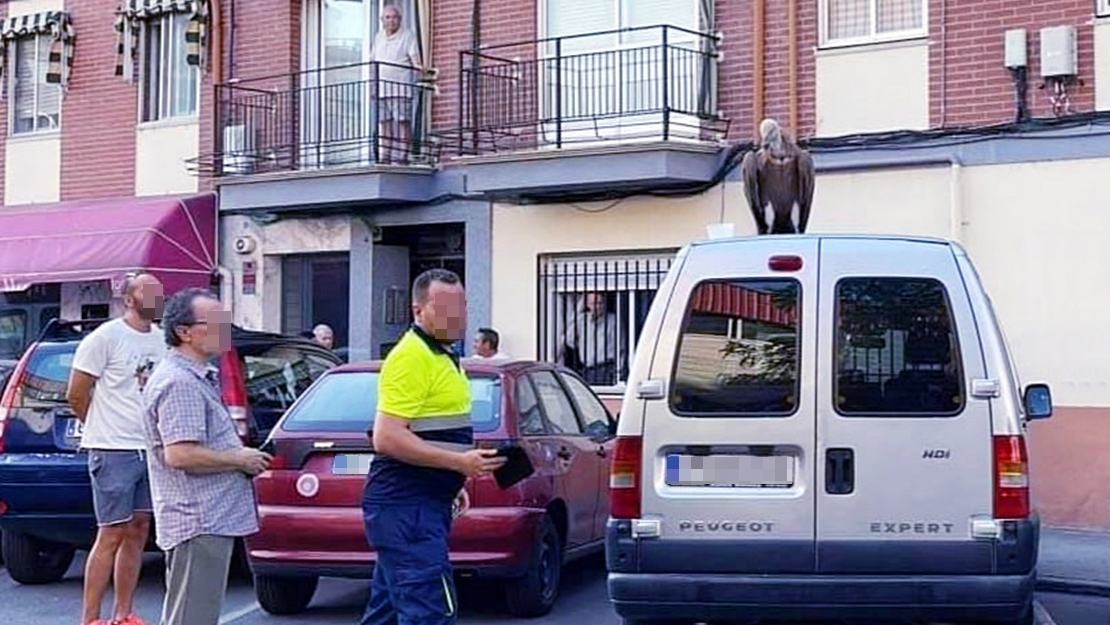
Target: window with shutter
pixel 853 22
pixel 171 87
pixel 36 104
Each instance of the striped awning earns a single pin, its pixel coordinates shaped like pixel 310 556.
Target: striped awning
pixel 133 14
pixel 54 24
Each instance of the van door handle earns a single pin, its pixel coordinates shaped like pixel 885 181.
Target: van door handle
pixel 601 451
pixel 840 470
pixel 563 453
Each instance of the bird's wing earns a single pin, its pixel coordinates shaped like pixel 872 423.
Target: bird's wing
pixel 749 171
pixel 806 177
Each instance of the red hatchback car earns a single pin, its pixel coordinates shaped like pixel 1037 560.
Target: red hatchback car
pixel 309 502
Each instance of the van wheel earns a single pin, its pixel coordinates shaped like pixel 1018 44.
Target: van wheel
pixel 534 594
pixel 284 595
pixel 31 560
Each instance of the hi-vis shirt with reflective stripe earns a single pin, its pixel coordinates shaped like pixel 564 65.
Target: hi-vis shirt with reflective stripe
pixel 422 382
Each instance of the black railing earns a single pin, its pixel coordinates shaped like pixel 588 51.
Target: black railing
pixel 653 83
pixel 357 114
pixel 592 310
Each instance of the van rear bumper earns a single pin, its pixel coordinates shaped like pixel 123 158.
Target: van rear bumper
pixel 695 597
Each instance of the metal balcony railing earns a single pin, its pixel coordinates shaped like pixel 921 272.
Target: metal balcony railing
pixel 646 83
pixel 350 115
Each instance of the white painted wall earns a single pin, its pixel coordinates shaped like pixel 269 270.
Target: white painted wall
pixel 873 88
pixel 33 169
pixel 1102 64
pixel 26 7
pixel 160 153
pixel 272 241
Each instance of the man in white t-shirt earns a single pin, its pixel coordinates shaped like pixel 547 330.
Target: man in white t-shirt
pixel 109 370
pixel 487 345
pixel 398 58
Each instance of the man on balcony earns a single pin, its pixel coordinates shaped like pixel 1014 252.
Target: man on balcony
pixel 397 55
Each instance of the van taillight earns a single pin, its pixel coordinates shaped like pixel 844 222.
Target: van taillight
pixel 625 478
pixel 10 395
pixel 1011 478
pixel 233 384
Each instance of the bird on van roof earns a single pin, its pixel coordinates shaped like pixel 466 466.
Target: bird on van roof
pixel 778 182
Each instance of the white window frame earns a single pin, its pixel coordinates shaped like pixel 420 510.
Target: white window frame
pixel 166 72
pixel 39 84
pixel 586 274
pixel 1102 8
pixel 872 38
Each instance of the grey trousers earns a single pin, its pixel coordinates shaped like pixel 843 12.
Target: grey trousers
pixel 196 580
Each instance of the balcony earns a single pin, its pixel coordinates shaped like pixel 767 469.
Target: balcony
pixel 631 108
pixel 323 136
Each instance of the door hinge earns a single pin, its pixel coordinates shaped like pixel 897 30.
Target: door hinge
pixel 985 389
pixel 650 389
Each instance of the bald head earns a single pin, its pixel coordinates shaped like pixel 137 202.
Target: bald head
pixel 142 293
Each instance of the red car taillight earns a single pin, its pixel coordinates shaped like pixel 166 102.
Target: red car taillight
pixel 233 385
pixel 1011 478
pixel 625 478
pixel 9 400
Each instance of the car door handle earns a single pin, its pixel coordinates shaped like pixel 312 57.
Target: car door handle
pixel 563 453
pixel 601 451
pixel 840 471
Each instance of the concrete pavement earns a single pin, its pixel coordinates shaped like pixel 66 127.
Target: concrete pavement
pixel 1074 561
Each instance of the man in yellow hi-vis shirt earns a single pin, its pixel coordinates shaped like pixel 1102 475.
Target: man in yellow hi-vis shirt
pixel 423 445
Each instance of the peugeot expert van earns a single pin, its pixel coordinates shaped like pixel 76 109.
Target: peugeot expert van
pixel 823 427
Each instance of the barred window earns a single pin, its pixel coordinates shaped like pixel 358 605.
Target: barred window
pixel 592 309
pixel 846 22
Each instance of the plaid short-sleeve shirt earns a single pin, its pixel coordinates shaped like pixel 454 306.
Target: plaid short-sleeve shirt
pixel 182 403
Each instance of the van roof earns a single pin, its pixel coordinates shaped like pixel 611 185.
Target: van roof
pixel 809 237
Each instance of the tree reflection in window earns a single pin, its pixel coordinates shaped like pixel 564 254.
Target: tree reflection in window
pixel 738 351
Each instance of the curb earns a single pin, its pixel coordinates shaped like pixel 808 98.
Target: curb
pixel 1073 587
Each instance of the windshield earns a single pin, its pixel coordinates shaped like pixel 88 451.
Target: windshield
pixel 346 402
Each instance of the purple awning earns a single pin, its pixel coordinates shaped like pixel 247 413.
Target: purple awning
pixel 173 237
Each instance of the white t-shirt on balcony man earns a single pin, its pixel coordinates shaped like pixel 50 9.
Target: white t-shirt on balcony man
pixel 400 48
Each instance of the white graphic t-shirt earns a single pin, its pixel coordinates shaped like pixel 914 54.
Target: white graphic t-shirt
pixel 121 358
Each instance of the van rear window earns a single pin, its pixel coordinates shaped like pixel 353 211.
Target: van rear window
pixel 896 348
pixel 738 350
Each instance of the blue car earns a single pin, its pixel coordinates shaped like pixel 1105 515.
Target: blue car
pixel 46 511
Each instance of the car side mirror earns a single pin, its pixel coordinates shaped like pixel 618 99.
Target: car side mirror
pixel 613 425
pixel 1038 402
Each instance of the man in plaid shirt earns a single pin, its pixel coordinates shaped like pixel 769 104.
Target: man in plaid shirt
pixel 200 472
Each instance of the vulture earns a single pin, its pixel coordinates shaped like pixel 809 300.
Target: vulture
pixel 778 182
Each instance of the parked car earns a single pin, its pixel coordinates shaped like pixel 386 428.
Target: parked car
pixel 309 501
pixel 46 509
pixel 838 414
pixel 6 368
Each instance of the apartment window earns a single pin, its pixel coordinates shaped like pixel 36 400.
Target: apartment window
pixel 851 22
pixel 1102 8
pixel 171 85
pixel 592 309
pixel 36 103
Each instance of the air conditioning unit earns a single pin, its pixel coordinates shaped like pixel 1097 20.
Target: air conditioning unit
pixel 236 158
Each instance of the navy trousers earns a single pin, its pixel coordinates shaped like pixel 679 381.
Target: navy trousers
pixel 413 582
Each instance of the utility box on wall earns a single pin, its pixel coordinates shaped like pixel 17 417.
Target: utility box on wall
pixel 1059 52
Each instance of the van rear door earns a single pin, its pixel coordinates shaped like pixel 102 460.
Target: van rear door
pixel 728 452
pixel 905 450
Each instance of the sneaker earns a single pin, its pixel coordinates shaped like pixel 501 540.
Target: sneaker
pixel 131 619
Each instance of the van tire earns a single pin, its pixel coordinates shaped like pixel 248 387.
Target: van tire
pixel 31 560
pixel 535 593
pixel 284 595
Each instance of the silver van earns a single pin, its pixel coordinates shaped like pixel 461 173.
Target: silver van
pixel 823 427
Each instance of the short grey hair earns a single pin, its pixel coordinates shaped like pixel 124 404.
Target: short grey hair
pixel 179 312
pixel 424 281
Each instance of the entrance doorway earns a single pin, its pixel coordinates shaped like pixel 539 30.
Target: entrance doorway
pixel 403 253
pixel 316 289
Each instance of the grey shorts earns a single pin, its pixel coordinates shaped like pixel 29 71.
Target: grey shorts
pixel 120 486
pixel 394 108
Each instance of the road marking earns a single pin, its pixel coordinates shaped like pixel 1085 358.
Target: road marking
pixel 254 607
pixel 1041 615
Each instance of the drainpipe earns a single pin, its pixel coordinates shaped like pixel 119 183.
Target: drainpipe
pixel 792 62
pixel 226 290
pixel 758 26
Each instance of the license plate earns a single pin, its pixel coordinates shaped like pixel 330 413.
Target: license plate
pixel 351 464
pixel 74 429
pixel 730 471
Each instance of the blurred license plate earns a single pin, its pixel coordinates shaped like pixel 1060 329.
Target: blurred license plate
pixel 351 464
pixel 74 428
pixel 730 471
